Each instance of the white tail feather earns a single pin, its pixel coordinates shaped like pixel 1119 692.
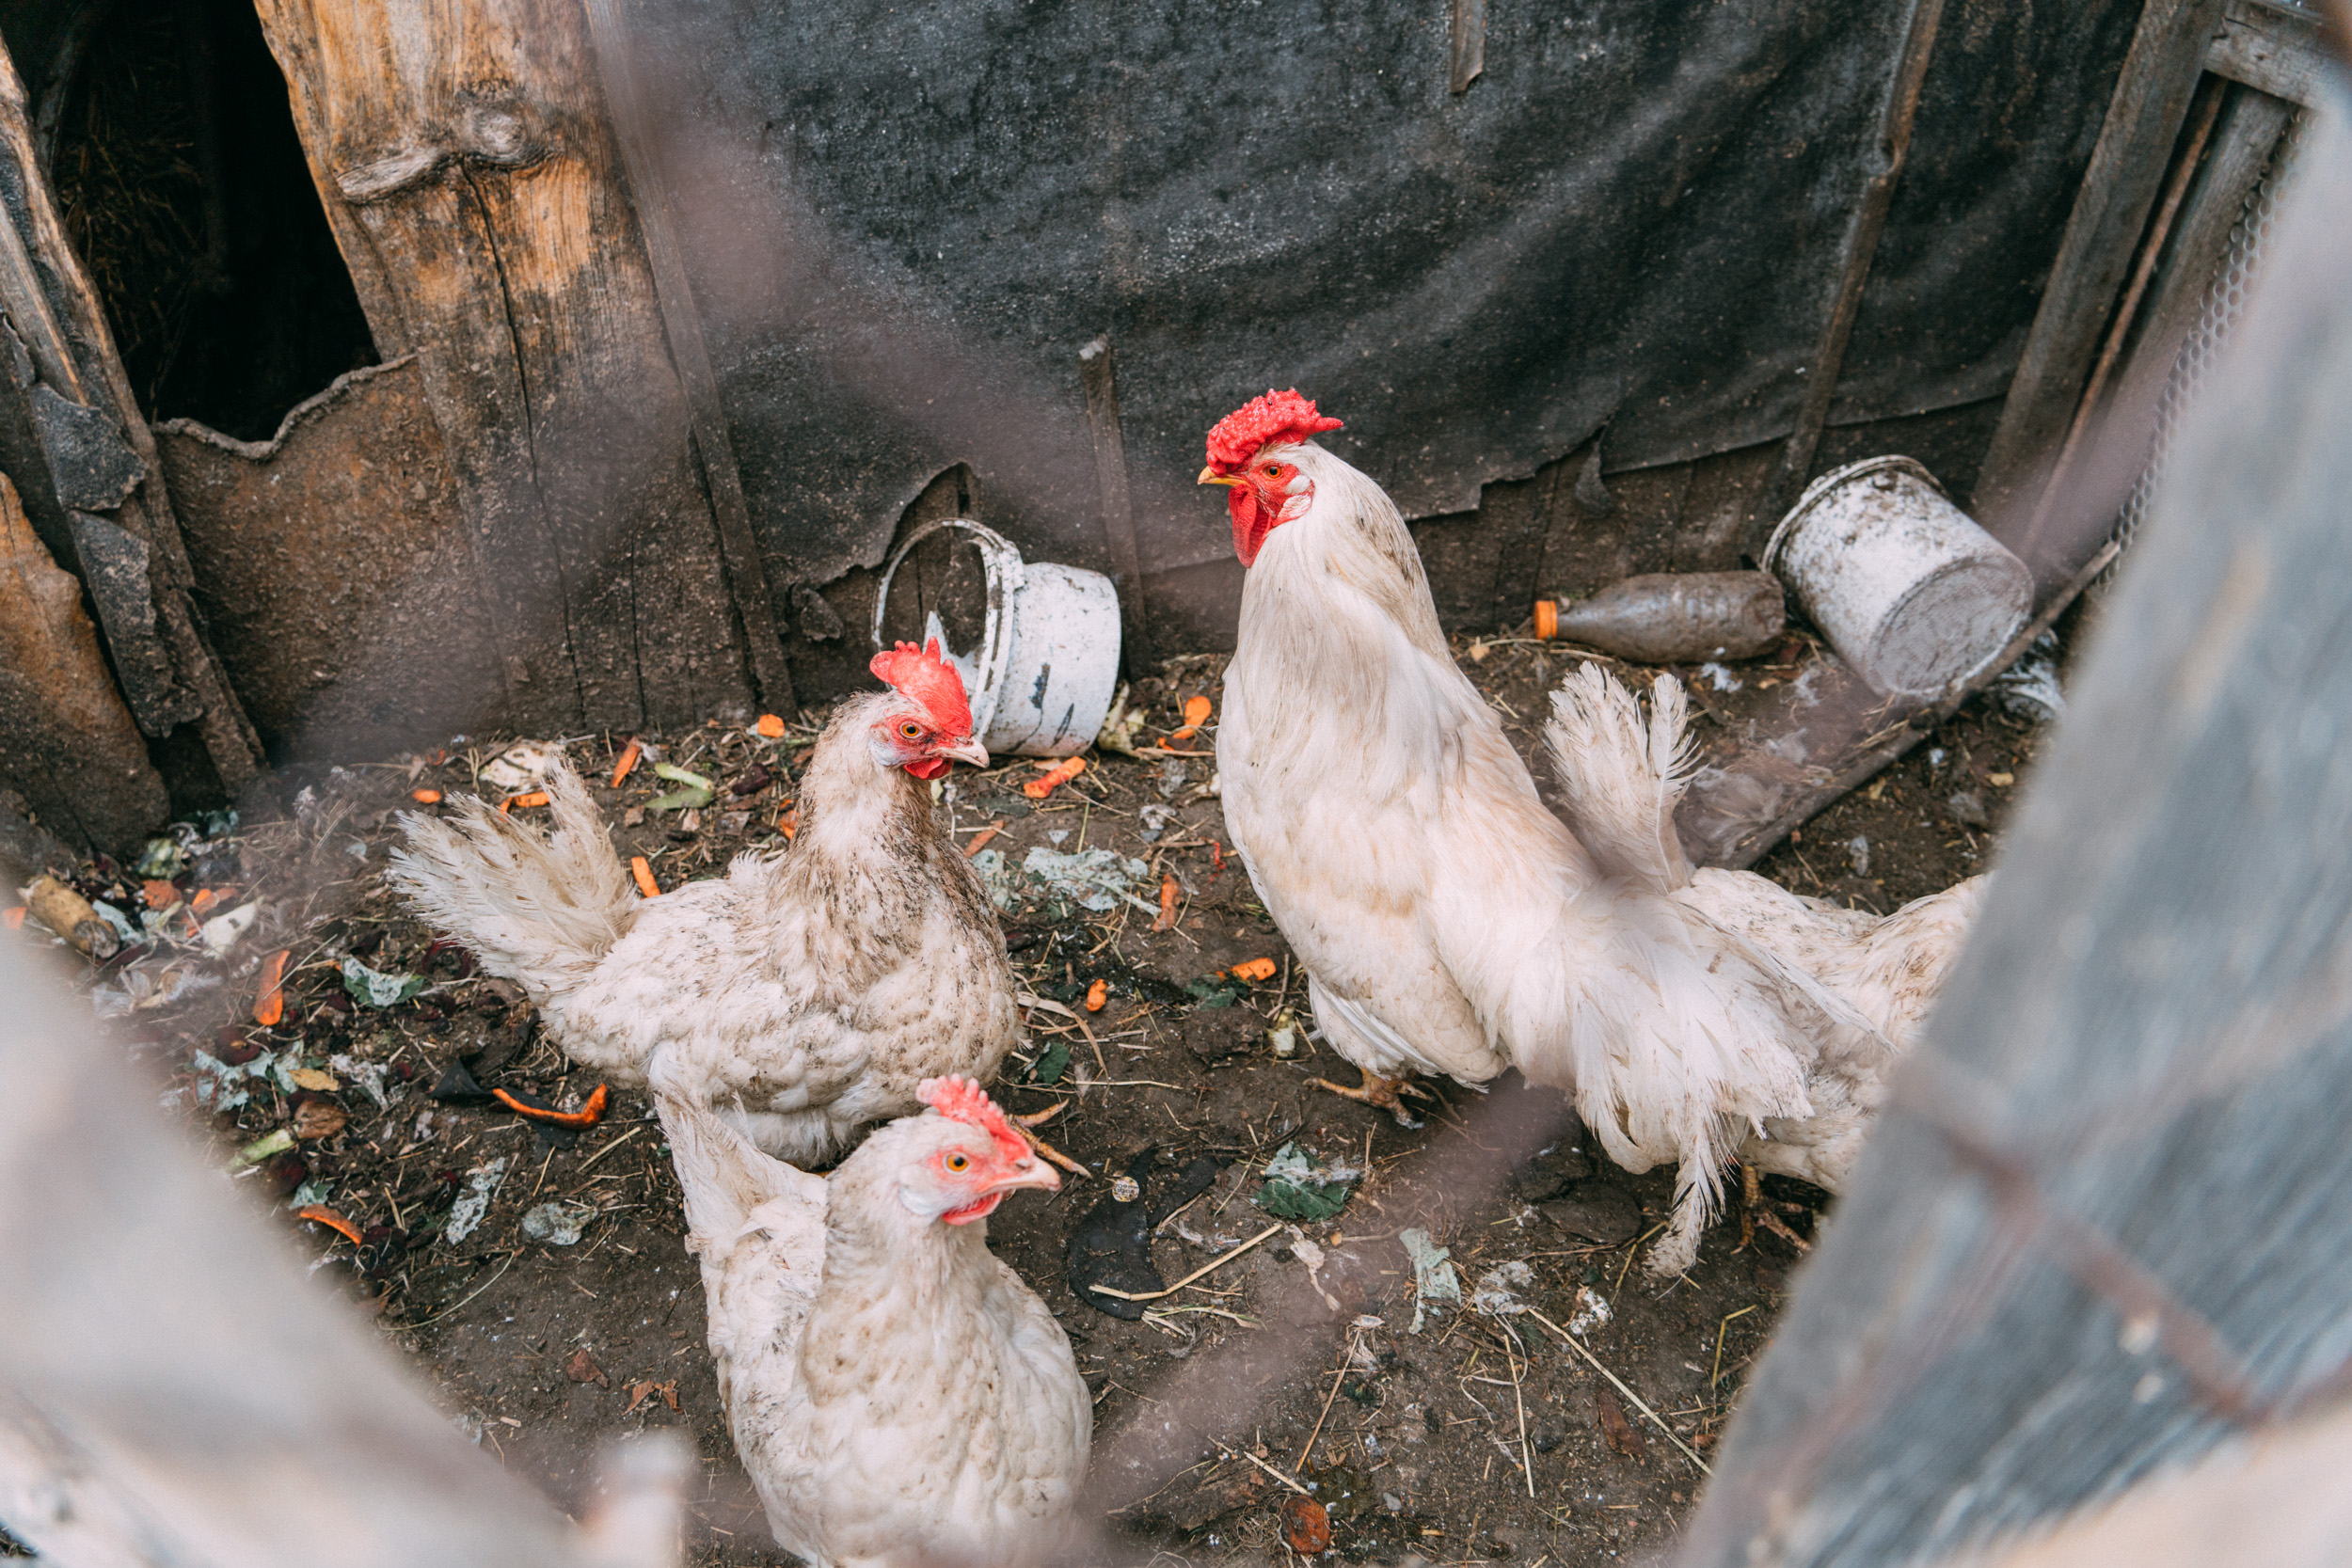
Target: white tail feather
pixel 1620 778
pixel 541 911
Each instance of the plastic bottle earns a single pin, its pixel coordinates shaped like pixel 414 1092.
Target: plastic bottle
pixel 1673 617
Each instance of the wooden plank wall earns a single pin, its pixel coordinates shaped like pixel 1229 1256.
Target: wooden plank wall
pixel 470 173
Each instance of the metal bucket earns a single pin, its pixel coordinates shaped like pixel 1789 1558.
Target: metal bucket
pixel 1906 587
pixel 1042 679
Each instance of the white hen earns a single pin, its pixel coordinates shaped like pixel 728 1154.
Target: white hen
pixel 897 1395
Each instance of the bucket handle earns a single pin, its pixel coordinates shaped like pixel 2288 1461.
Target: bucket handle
pixel 1005 578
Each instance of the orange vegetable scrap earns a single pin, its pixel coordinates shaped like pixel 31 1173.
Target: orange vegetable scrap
pixel 770 727
pixel 1254 970
pixel 587 1115
pixel 269 1002
pixel 1053 778
pixel 1195 715
pixel 13 918
pixel 330 1219
pixel 425 797
pixel 788 820
pixel 1169 891
pixel 205 899
pixel 528 799
pixel 159 895
pixel 980 840
pixel 642 869
pixel 627 760
pixel 1097 994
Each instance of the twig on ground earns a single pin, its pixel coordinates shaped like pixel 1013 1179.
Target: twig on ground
pixel 1639 1403
pixel 1217 1264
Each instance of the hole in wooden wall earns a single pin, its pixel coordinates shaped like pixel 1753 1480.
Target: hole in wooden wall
pixel 185 189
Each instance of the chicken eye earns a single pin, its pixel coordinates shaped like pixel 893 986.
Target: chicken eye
pixel 958 1161
pixel 912 730
pixel 1273 470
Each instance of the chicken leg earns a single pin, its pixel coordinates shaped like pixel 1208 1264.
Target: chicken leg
pixel 1382 1092
pixel 1047 1151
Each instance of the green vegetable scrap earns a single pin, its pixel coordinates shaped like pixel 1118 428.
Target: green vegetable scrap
pixel 374 988
pixel 1209 992
pixel 1296 1189
pixel 1047 1069
pixel 697 793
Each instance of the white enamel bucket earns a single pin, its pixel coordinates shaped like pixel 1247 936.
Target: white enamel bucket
pixel 1906 587
pixel 1042 679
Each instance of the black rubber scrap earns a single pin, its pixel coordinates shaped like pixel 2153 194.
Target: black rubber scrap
pixel 1111 1243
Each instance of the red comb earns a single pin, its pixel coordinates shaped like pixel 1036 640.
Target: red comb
pixel 962 1100
pixel 1276 417
pixel 930 682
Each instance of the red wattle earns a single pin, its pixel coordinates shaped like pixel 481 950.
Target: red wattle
pixel 971 1211
pixel 929 768
pixel 1251 523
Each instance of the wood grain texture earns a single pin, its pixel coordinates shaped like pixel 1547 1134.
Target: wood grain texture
pixel 478 196
pixel 335 568
pixel 2104 1227
pixel 66 740
pixel 170 676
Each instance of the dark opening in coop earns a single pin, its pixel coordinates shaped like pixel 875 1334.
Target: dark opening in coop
pixel 172 149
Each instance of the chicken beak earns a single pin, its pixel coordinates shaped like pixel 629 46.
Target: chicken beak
pixel 971 750
pixel 1032 1172
pixel 1210 476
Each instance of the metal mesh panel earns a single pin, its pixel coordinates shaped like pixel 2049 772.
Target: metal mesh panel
pixel 2216 319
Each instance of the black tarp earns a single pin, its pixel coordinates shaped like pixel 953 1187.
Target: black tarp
pixel 903 221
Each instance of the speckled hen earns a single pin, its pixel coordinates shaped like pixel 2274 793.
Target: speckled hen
pixel 810 992
pixel 897 1396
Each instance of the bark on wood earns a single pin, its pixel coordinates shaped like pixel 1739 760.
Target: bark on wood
pixel 101 462
pixel 335 568
pixel 476 194
pixel 67 743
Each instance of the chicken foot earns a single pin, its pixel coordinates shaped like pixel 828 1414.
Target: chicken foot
pixel 1382 1092
pixel 1044 1150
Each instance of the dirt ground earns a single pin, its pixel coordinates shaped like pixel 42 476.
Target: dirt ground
pixel 1483 1436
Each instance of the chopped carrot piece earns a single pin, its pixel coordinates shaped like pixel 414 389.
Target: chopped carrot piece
pixel 769 726
pixel 330 1219
pixel 1254 970
pixel 788 821
pixel 425 797
pixel 1053 778
pixel 1195 715
pixel 980 840
pixel 642 869
pixel 13 918
pixel 630 753
pixel 159 895
pixel 1547 620
pixel 205 899
pixel 1097 994
pixel 1169 891
pixel 269 1002
pixel 587 1115
pixel 529 798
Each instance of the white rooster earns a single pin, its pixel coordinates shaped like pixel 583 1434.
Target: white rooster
pixel 1449 923
pixel 897 1394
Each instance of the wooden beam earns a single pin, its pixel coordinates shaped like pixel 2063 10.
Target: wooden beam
pixel 2127 169
pixel 747 574
pixel 1119 515
pixel 2271 48
pixel 102 462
